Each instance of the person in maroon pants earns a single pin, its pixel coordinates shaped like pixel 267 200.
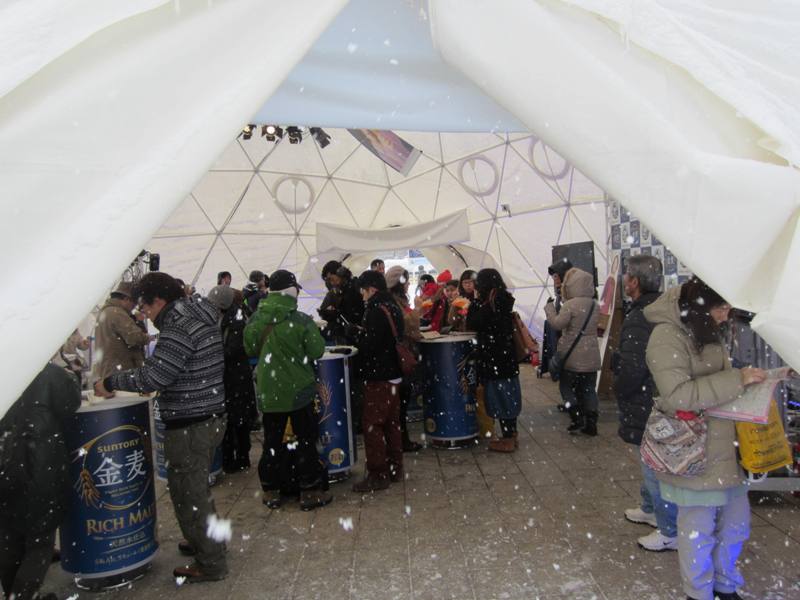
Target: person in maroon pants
pixel 379 367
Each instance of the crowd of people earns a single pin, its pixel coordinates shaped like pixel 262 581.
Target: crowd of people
pixel 670 358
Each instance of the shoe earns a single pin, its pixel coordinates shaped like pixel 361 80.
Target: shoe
pixel 410 446
pixel 371 483
pixel 575 426
pixel 504 444
pixel 272 499
pixel 194 574
pixel 186 548
pixel 590 428
pixel 311 499
pixel 655 541
pixel 637 515
pixel 727 596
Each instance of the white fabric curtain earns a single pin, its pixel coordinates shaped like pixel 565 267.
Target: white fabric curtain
pixel 134 115
pixel 651 136
pixel 437 232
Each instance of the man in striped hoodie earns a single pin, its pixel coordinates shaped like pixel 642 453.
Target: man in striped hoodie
pixel 186 369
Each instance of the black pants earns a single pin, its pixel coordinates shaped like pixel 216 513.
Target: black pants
pixel 274 469
pixel 577 391
pixel 236 444
pixel 24 559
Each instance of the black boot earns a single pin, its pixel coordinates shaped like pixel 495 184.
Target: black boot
pixel 591 424
pixel 576 418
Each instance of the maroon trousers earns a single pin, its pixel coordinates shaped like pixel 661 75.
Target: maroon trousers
pixel 381 421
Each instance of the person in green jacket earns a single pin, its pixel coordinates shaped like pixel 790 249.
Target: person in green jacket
pixel 287 342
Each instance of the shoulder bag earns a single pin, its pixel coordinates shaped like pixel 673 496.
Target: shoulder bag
pixel 406 358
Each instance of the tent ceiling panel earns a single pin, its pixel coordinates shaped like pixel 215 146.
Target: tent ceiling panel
pixel 183 256
pixel 456 146
pixel 233 158
pixel 218 192
pixel 424 165
pixel 328 208
pixel 220 258
pixel 428 142
pixel 263 252
pixel 257 148
pixel 302 159
pixel 420 194
pixel 342 146
pixel 294 194
pixel 393 212
pixel 526 190
pixel 363 200
pixel 363 166
pixel 453 196
pixel 188 219
pixel 258 212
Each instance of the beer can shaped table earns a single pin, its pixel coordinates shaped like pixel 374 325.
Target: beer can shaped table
pixel 449 399
pixel 335 417
pixel 109 535
pixel 160 458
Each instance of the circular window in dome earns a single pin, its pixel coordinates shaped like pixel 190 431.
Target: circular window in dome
pixel 293 194
pixel 545 161
pixel 478 175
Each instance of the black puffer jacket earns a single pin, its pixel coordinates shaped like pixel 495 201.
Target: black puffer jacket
pixel 341 307
pixel 633 383
pixel 39 492
pixel 491 319
pixel 240 396
pixel 377 353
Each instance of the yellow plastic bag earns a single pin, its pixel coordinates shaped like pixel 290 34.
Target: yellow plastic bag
pixel 485 422
pixel 763 448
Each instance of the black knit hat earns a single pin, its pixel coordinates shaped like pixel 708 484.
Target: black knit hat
pixel 372 279
pixel 283 279
pixel 560 267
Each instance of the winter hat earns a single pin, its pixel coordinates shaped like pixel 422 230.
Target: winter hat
pixel 372 279
pixel 124 288
pixel 281 280
pixel 444 277
pixel 560 267
pixel 395 275
pixel 221 296
pixel 430 289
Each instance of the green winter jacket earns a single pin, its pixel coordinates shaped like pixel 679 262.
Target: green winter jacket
pixel 285 373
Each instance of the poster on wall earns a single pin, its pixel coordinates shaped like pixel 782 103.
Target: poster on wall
pixel 389 147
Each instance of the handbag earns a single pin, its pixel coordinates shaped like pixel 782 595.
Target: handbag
pixel 558 360
pixel 763 448
pixel 674 445
pixel 524 344
pixel 406 358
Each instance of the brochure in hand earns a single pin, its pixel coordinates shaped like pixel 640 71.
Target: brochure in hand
pixel 753 404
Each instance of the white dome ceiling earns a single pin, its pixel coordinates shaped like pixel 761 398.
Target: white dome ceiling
pixel 258 207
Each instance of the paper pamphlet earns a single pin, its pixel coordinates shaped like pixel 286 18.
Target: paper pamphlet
pixel 753 404
pixel 430 335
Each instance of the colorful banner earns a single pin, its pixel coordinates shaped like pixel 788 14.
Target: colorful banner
pixel 111 523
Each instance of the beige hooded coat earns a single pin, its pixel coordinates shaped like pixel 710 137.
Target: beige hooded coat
pixel 577 290
pixel 119 341
pixel 686 380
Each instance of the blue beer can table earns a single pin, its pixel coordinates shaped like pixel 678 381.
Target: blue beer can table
pixel 161 463
pixel 109 535
pixel 449 398
pixel 338 449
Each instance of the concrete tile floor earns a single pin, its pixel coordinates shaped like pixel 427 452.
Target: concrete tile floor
pixel 545 522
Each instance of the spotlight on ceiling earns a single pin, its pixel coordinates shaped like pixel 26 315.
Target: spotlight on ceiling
pixel 247 131
pixel 295 135
pixel 271 132
pixel 323 139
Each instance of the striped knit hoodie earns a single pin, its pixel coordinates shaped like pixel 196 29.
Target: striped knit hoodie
pixel 186 367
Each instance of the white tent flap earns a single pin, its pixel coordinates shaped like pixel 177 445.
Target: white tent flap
pixel 438 232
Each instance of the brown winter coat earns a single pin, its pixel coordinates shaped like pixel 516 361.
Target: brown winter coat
pixel 120 342
pixel 686 380
pixel 577 290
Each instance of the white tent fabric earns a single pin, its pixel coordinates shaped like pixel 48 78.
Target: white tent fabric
pixel 685 162
pixel 744 52
pixel 99 146
pixel 109 116
pixel 443 231
pixel 482 199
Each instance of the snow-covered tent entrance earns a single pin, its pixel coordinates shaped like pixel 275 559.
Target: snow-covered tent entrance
pixel 685 111
pixel 499 200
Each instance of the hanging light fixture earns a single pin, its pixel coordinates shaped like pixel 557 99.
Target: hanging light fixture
pixel 247 131
pixel 323 139
pixel 271 132
pixel 295 135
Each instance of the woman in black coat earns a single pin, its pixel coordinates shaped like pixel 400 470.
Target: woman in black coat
pixel 490 317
